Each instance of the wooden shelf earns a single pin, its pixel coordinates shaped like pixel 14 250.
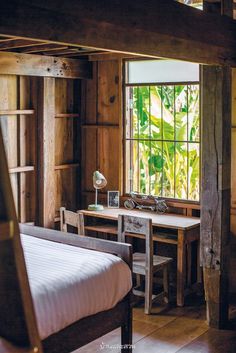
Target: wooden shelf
pixel 103 228
pixel 17 112
pixel 167 238
pixel 66 166
pixel 21 169
pixel 67 115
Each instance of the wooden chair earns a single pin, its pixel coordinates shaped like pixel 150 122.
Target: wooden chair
pixel 74 219
pixel 145 264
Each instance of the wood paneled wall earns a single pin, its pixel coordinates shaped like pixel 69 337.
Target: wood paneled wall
pixel 102 128
pixel 40 119
pixel 232 276
pixel 67 144
pixel 18 123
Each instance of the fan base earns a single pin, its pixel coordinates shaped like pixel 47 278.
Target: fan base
pixel 95 207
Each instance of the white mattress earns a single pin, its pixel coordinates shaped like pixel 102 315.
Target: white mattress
pixel 69 283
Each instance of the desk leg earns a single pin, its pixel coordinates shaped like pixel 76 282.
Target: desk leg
pixel 181 267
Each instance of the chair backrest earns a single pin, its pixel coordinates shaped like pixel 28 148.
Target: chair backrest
pixel 17 317
pixel 136 226
pixel 74 219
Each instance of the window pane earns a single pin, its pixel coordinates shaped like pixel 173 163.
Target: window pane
pixel 144 155
pixel 168 169
pixel 193 113
pixel 142 104
pixel 193 167
pixel 156 112
pixel 155 168
pixel 181 113
pixel 181 170
pixel 133 173
pixel 198 4
pixel 168 97
pixel 130 117
pixel 128 165
pixel 161 71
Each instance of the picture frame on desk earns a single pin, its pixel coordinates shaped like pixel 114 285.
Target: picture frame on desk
pixel 113 199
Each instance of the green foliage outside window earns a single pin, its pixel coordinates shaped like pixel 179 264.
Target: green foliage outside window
pixel 162 140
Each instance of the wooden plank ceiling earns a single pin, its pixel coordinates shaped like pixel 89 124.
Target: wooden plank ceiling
pixel 28 46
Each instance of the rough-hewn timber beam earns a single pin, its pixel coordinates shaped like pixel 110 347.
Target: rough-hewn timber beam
pixel 38 65
pixel 215 198
pixel 162 28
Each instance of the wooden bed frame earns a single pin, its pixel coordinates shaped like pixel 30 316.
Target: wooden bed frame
pixel 96 325
pixel 17 317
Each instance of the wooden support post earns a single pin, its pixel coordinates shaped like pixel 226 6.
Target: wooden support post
pixel 215 197
pixel 46 152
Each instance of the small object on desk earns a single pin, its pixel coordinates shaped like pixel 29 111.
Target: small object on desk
pixel 99 182
pixel 138 201
pixel 113 200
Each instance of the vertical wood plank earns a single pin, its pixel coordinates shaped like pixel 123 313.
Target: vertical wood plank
pixel 67 96
pixel 89 158
pixel 21 121
pixel 101 146
pixel 108 156
pixel 227 8
pixel 26 150
pixel 64 129
pixel 8 101
pixel 90 97
pixel 46 151
pixel 108 92
pixel 215 197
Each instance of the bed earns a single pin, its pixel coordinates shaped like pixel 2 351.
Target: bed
pixel 80 289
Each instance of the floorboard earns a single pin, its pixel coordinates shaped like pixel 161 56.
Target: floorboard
pixel 170 329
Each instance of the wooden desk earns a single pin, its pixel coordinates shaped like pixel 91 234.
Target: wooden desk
pixel 187 230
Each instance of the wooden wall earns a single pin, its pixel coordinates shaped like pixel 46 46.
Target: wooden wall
pixel 232 275
pixel 18 123
pixel 102 128
pixel 67 143
pixel 40 118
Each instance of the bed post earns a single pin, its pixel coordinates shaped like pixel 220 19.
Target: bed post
pixel 126 331
pixel 17 319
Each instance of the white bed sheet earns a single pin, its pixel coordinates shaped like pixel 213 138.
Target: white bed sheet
pixel 69 283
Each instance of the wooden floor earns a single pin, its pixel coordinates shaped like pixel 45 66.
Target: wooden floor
pixel 171 330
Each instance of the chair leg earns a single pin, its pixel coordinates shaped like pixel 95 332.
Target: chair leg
pixel 138 280
pixel 148 293
pixel 126 334
pixel 166 284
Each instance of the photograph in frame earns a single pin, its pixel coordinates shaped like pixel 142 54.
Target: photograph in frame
pixel 113 199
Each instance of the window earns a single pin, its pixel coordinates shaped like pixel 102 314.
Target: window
pixel 162 140
pixel 194 3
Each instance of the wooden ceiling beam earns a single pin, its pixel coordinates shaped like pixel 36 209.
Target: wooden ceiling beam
pixel 17 43
pixel 162 28
pixel 46 66
pixel 43 47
